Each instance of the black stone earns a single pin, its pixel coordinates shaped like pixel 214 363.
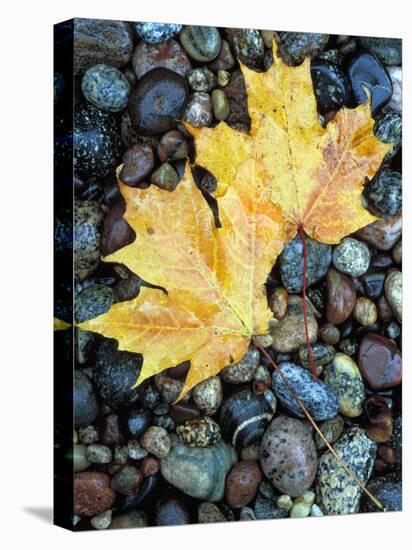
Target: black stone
pixel 385 192
pixel 389 50
pixel 138 421
pixel 373 284
pixel 365 70
pixel 85 403
pixel 389 494
pixel 158 101
pixel 388 128
pixel 93 301
pixel 330 85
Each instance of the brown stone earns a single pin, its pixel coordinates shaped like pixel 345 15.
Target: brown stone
pixel 92 493
pixel 169 55
pixel 341 297
pixel 111 430
pixel 380 361
pixel 289 333
pixel 180 412
pixel 117 233
pixel 242 483
pixel 279 302
pixel 150 466
pixel 172 146
pixel 382 234
pixel 365 311
pixel 138 163
pixel 385 312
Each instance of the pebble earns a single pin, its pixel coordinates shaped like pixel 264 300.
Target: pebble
pixel 248 46
pixel 225 60
pixel 341 297
pixel 200 432
pixel 351 257
pixel 289 333
pixel 247 514
pixel 92 493
pixel 245 415
pixel 165 177
pixel 236 93
pixel 127 481
pixel 365 312
pixel 384 309
pixel 138 162
pixel 208 395
pixel 199 110
pixel 316 511
pixel 172 146
pixel 389 494
pixel 80 461
pixel 266 508
pixel 199 472
pixel 102 521
pixel 382 234
pixel 385 192
pixel 154 33
pixel 158 101
pixel 318 260
pixel 96 142
pixel 302 505
pixel 172 512
pixel 366 71
pixel 94 300
pixel 156 441
pixel 393 330
pixel 321 353
pixel 329 333
pixel 169 55
pixel 201 43
pixel 288 456
pixel 395 74
pixel 223 78
pixel 295 46
pixel 250 453
pixel 331 429
pixel 101 41
pixel 88 220
pixel 242 483
pixel 221 106
pixel 319 398
pixel 244 370
pixel 380 422
pixel 99 454
pixel 138 421
pixel 279 302
pixel 135 451
pixel 372 284
pixel 180 412
pixel 111 431
pixel 88 435
pixel 201 79
pixel 388 128
pixel 389 50
pixel 397 252
pixel 149 466
pixel 380 362
pixel 285 502
pixel 330 85
pixel 114 374
pixel 209 513
pixel 133 519
pixel 106 88
pixel 337 492
pixel 86 408
pixel 345 378
pixel 116 234
pixel 393 292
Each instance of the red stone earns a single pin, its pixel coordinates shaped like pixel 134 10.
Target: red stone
pixel 92 493
pixel 341 297
pixel 380 362
pixel 150 466
pixel 242 483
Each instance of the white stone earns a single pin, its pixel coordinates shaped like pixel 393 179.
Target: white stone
pixel 396 100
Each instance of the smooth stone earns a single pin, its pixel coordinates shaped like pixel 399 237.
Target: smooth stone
pixel 201 43
pixel 135 451
pixel 345 378
pixel 132 519
pixel 138 162
pixel 266 508
pixel 337 492
pixel 397 252
pixel 209 513
pixel 288 456
pixel 199 110
pixel 388 128
pixel 93 301
pixel 329 333
pixel 382 234
pixel 393 292
pixel 199 472
pixel 92 493
pixel 88 221
pixel 385 192
pixel 116 231
pixel 106 88
pixel 318 260
pixel 380 362
pixel 165 177
pixel 200 432
pixel 172 512
pixel 99 454
pixel 248 46
pixel 389 494
pixel 169 55
pixel 115 372
pixel 88 435
pixel 83 345
pixel 365 312
pixel 149 466
pixel 295 46
pixel 289 333
pixel 158 102
pixel 138 421
pixel 352 257
pixel 366 71
pixel 101 41
pixel 245 415
pixel 322 355
pixel 208 395
pixel 181 412
pixel 331 429
pixel 201 79
pixel 330 85
pixel 396 100
pixel 389 50
pixel 223 78
pixel 285 502
pixel 244 370
pixel 278 302
pixel 127 481
pixel 86 407
pixel 96 142
pixel 156 441
pixel 319 398
pixel 111 430
pixel 220 103
pixel 154 33
pixel 102 521
pixel 80 461
pixel 225 60
pixel 372 284
pixel 172 146
pixel 242 483
pixel 236 93
pixel 393 330
pixel 302 505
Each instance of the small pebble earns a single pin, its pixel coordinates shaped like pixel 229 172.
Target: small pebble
pixel 365 312
pixel 92 493
pixel 366 71
pixel 388 128
pixel 127 481
pixel 285 502
pixel 199 110
pixel 244 370
pixel 200 432
pixel 393 292
pixel 154 33
pixel 221 107
pixel 165 177
pixel 172 146
pixel 99 454
pixel 88 435
pixel 385 192
pixel 223 78
pixel 138 162
pixel 208 395
pixel 279 302
pixel 103 520
pixel 201 43
pixel 209 513
pixel 242 483
pixel 80 461
pixel 225 60
pixel 351 257
pixel 201 79
pixel 316 511
pixel 169 55
pixel 397 252
pixel 396 100
pixel 380 362
pixel 331 429
pixel 106 88
pixel 329 333
pixel 156 441
pixel 345 378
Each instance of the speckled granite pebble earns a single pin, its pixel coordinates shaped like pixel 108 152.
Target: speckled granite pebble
pixel 106 87
pixel 345 378
pixel 351 257
pixel 154 33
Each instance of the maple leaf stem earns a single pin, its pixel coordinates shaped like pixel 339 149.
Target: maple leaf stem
pixel 305 306
pixel 318 430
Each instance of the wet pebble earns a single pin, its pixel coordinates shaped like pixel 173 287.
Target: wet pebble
pixel 154 33
pixel 138 421
pixel 172 512
pixel 372 284
pixel 397 252
pixel 295 46
pixel 330 85
pixel 138 162
pixel 172 146
pixel 88 435
pixel 201 43
pixel 389 494
pixel 389 50
pixel 149 466
pixel 236 93
pixel 396 100
pixel 220 103
pixel 331 429
pixel 88 220
pixel 86 408
pixel 199 110
pixel 165 177
pixel 242 483
pixel 393 292
pixel 289 333
pixel 169 55
pixel 102 521
pixel 225 60
pixel 92 493
pixel 345 378
pixel 208 512
pixel 200 432
pixel 244 370
pixel 127 481
pixel 388 128
pixel 156 441
pixel 329 333
pixel 80 461
pixel 380 362
pixel 130 520
pixel 201 79
pixel 288 455
pixel 278 302
pixel 322 355
pixel 365 312
pixel 94 300
pixel 106 88
pixel 99 454
pixel 366 71
pixel 208 395
pixel 302 505
pixel 385 192
pixel 351 257
pixel 319 398
pixel 248 46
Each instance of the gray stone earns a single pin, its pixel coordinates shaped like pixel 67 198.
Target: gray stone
pixel 106 88
pixel 85 403
pixel 351 257
pixel 389 494
pixel 388 128
pixel 385 192
pixel 154 33
pixel 389 50
pixel 244 370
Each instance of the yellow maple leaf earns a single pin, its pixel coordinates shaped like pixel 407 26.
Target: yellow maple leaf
pixel 215 278
pixel 316 174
